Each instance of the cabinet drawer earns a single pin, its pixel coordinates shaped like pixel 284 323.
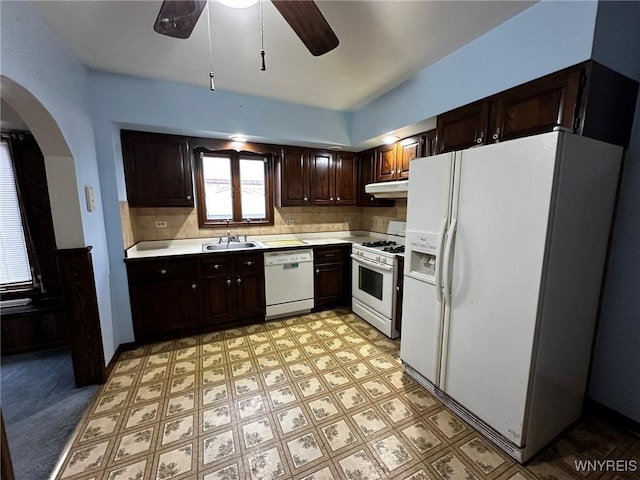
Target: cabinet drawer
pixel 328 255
pixel 249 263
pixel 162 270
pixel 219 265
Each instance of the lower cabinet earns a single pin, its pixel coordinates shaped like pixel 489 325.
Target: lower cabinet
pixel 233 287
pixel 332 275
pixel 165 296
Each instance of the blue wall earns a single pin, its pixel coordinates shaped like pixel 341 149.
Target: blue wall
pixel 35 59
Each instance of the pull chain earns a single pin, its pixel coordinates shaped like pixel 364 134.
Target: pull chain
pixel 264 67
pixel 212 85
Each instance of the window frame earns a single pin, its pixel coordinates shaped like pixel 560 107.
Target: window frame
pixel 234 157
pixel 7 289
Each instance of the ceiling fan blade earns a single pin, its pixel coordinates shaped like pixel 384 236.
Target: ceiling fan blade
pixel 309 24
pixel 177 18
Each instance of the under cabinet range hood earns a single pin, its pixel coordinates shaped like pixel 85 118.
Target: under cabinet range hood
pixel 388 189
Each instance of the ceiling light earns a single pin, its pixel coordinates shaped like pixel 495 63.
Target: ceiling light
pixel 238 137
pixel 334 147
pixel 389 139
pixel 238 3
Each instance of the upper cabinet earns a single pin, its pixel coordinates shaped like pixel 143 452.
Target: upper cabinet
pixel 392 161
pixel 292 182
pixel 366 175
pixel 157 170
pixel 588 99
pixel 316 177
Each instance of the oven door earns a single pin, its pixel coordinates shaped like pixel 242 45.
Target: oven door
pixel 373 285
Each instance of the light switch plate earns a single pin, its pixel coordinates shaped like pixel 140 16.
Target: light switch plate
pixel 90 198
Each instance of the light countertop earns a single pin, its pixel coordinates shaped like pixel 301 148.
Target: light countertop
pixel 193 246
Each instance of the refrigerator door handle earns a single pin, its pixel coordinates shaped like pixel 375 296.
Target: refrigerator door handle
pixel 447 260
pixel 439 252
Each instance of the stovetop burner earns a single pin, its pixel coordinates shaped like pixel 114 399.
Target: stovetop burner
pixel 379 243
pixel 394 249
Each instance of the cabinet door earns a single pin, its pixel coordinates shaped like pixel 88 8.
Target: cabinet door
pixel 463 127
pixel 386 163
pixel 165 307
pixel 294 177
pixel 328 284
pixel 251 300
pixel 157 170
pixel 321 178
pixel 366 175
pixel 407 150
pixel 536 107
pixel 346 178
pixel 219 299
pixel 429 143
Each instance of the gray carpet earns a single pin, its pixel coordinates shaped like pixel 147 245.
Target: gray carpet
pixel 41 407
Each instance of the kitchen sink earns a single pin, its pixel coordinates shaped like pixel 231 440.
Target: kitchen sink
pixel 221 247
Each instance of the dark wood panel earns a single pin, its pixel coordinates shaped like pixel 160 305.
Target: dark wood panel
pixel 157 170
pixel 220 300
pixel 32 331
pixel 162 269
pixel 346 178
pixel 81 310
pixel 251 296
pixel 31 178
pixel 407 150
pixel 429 143
pixel 293 177
pixel 385 163
pixel 328 285
pixel 321 178
pixel 463 127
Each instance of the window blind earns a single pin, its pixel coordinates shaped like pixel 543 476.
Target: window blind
pixel 15 268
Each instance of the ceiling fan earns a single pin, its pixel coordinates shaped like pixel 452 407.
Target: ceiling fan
pixel 177 18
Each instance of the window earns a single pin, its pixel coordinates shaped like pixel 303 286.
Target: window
pixel 233 188
pixel 15 268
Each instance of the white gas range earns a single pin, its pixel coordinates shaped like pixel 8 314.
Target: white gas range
pixel 375 279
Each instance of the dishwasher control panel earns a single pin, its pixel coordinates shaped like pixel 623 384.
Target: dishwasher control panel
pixel 287 257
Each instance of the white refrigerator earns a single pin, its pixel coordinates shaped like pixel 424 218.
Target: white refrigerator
pixel 504 258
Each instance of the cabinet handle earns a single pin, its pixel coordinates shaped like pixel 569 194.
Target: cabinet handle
pixel 239 280
pixel 371 199
pixel 163 271
pixel 317 271
pixel 188 197
pixel 249 263
pixel 305 199
pixel 331 199
pixel 228 282
pixel 216 266
pixel 496 135
pixel 338 199
pixel 479 139
pixel 193 286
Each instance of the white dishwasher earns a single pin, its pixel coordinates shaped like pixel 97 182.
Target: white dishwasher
pixel 288 278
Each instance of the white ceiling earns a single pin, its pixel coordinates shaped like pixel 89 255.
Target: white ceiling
pixel 382 44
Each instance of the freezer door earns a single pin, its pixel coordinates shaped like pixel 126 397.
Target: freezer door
pixel 421 328
pixel 497 261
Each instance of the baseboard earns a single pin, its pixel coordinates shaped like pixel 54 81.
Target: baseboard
pixel 624 422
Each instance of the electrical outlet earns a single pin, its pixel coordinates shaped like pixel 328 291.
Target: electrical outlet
pixel 290 222
pixel 347 219
pixel 378 223
pixel 161 224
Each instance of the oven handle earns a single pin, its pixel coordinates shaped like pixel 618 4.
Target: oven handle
pixel 369 263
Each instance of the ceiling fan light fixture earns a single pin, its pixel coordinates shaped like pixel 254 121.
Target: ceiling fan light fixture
pixel 238 137
pixel 238 3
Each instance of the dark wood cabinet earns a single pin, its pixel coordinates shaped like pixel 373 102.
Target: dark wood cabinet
pixel 331 268
pixel 157 170
pixel 165 296
pixel 407 150
pixel 385 163
pixel 587 99
pixel 233 286
pixel 463 127
pixel 292 183
pixel 346 178
pixel 429 143
pixel 39 325
pixel 322 182
pixel 366 175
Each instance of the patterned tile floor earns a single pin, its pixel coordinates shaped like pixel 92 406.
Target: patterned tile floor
pixel 321 396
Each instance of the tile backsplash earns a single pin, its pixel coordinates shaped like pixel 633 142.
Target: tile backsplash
pixel 139 224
